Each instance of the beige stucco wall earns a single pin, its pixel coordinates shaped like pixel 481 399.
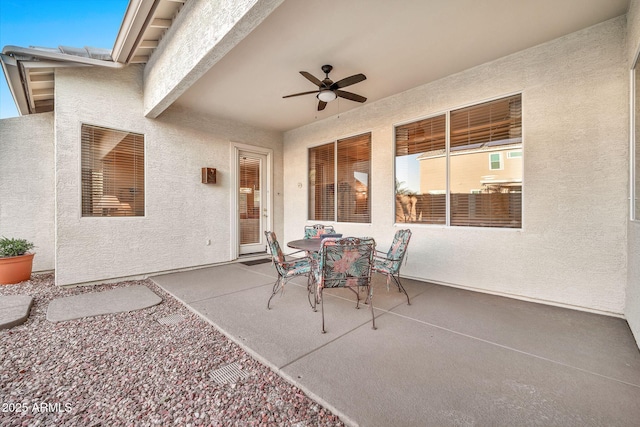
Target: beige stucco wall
pixel 632 306
pixel 572 247
pixel 27 184
pixel 181 212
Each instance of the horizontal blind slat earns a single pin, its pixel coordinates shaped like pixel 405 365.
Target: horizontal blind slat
pixel 112 172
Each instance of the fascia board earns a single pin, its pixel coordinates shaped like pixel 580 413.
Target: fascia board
pixel 61 57
pixel 135 20
pixel 14 81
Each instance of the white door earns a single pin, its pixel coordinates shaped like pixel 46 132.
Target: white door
pixel 253 209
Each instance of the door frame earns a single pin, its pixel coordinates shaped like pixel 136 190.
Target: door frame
pixel 234 227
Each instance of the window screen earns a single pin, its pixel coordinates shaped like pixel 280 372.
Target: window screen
pixel 112 172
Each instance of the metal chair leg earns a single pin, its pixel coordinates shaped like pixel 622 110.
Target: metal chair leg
pixel 370 298
pixel 400 287
pixel 311 293
pixel 322 308
pixel 276 288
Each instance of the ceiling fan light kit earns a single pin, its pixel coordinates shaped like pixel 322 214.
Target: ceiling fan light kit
pixel 327 95
pixel 328 90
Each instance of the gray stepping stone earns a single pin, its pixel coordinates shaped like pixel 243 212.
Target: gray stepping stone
pixel 91 304
pixel 14 310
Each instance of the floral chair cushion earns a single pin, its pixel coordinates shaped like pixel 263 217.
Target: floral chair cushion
pixel 343 262
pixel 392 262
pixel 294 267
pixel 315 231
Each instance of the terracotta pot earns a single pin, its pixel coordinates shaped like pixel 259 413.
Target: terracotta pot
pixel 15 269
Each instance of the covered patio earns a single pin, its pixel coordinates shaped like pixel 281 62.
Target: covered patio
pixel 452 357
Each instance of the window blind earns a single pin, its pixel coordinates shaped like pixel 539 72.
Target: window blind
pixel 420 152
pixel 322 182
pixel 249 197
pixel 486 196
pixel 488 124
pixel 353 170
pixel 423 136
pixel 112 164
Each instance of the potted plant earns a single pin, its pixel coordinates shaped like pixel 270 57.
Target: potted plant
pixel 15 260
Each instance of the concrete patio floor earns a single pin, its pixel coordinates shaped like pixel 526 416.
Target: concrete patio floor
pixel 451 358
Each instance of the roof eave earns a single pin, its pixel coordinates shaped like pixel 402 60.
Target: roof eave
pixel 133 24
pixel 14 81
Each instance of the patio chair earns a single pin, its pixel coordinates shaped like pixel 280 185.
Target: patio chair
pixel 344 263
pixel 389 263
pixel 315 231
pixel 287 269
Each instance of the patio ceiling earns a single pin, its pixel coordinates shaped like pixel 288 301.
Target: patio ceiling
pixel 398 45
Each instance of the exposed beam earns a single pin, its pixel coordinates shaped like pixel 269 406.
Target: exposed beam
pixel 139 59
pixel 148 44
pixel 160 23
pixel 40 78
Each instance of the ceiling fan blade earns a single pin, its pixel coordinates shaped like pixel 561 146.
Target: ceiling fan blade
pixel 311 78
pixel 321 105
pixel 301 93
pixel 348 81
pixel 350 96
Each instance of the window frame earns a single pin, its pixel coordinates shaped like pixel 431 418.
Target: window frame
pixel 80 164
pixel 634 140
pixel 447 155
pixel 335 212
pixel 500 161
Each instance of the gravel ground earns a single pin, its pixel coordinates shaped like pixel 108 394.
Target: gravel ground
pixel 128 369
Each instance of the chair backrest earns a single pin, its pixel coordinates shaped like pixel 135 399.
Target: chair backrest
pixel 315 231
pixel 276 251
pixel 398 248
pixel 346 261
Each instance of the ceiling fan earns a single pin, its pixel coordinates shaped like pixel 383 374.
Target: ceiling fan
pixel 328 90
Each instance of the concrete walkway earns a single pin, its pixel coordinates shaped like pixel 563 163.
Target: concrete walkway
pixel 14 310
pixel 452 357
pixel 91 304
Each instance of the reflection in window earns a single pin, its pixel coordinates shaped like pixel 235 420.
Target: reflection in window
pixel 485 182
pixel 339 176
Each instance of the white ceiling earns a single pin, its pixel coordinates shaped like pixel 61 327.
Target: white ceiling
pixel 397 44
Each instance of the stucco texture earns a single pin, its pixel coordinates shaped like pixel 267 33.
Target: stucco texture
pixel 571 250
pixel 181 213
pixel 27 184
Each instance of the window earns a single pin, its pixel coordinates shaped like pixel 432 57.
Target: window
pixel 635 160
pixel 460 178
pixel 495 161
pixel 112 172
pixel 421 171
pixel 339 180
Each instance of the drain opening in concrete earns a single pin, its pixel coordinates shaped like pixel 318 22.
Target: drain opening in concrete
pixel 173 319
pixel 229 374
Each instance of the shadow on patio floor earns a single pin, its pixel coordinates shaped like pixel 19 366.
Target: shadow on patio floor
pixel 452 357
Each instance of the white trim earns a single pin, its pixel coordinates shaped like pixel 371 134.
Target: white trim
pixel 447 169
pixel 234 232
pixel 59 56
pixel 632 143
